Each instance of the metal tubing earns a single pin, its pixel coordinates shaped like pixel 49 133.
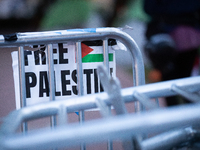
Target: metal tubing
pixel 106 64
pixel 51 72
pixel 79 74
pixel 157 101
pixel 51 79
pixel 118 127
pixel 22 83
pixel 105 55
pixel 22 76
pixel 62 115
pixel 80 83
pixel 74 104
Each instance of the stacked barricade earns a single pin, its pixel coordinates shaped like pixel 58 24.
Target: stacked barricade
pixel 132 129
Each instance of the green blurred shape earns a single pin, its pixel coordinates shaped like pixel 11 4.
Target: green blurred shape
pixel 136 11
pixel 66 13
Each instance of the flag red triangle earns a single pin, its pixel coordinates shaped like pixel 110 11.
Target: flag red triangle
pixel 85 50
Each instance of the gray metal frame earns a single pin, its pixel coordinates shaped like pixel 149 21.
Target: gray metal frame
pixel 74 104
pixel 123 126
pixel 75 35
pixel 118 127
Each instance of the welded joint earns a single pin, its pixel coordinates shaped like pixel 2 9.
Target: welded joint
pixel 195 98
pixel 144 100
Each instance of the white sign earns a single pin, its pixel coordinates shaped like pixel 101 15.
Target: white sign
pixel 64 57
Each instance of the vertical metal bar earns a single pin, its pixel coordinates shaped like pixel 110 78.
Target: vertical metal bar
pixel 134 72
pixel 105 55
pixel 106 63
pixel 137 65
pixel 157 101
pixel 138 106
pixel 80 82
pixel 51 79
pixel 22 83
pixel 110 142
pixel 62 115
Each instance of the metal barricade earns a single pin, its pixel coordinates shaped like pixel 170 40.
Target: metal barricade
pixel 75 35
pixel 171 126
pixel 179 120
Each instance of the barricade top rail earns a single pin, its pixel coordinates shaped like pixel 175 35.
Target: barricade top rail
pixel 77 36
pixel 27 38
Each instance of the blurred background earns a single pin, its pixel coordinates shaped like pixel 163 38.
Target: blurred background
pixel 32 15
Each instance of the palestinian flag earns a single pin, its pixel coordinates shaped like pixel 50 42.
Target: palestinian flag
pixel 92 51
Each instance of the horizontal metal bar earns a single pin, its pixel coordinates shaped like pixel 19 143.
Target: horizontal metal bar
pixel 104 110
pixel 118 127
pixel 28 38
pixel 74 104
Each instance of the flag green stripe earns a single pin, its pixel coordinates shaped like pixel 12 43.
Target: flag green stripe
pixel 95 58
